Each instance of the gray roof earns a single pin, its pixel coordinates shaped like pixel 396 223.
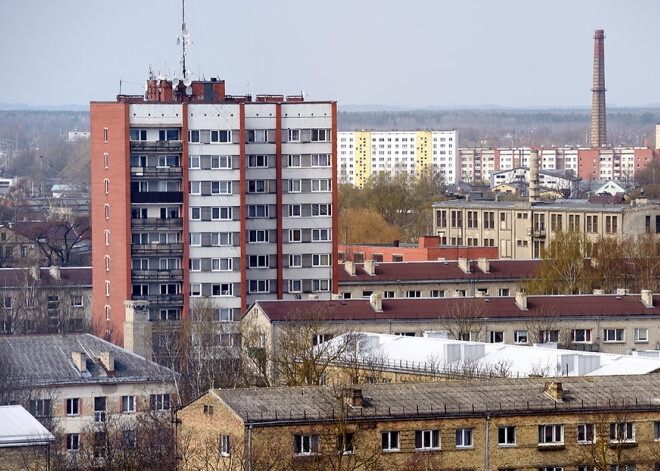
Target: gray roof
pixel 46 360
pixel 561 205
pixel 402 401
pixel 19 428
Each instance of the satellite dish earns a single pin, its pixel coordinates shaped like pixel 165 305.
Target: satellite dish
pixel 175 82
pixel 188 73
pixel 188 90
pixel 187 81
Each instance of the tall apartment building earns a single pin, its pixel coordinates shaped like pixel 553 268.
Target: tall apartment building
pixel 201 195
pixel 362 153
pixel 605 163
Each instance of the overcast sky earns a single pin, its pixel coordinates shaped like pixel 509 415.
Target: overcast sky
pixel 413 53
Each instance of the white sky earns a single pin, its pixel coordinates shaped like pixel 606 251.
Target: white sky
pixel 414 53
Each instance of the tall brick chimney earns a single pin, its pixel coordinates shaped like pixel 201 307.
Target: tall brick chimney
pixel 534 178
pixel 598 128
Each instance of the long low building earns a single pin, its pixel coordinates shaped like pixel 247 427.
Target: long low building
pixel 438 279
pixel 496 424
pixel 396 358
pixel 608 323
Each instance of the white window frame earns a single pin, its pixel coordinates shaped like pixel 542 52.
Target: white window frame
pixel 321 260
pixel 610 335
pixel 317 209
pixel 639 338
pixel 253 236
pixel 432 436
pixel 73 407
pixel 306 444
pixel 257 161
pixel 628 429
pixel 557 432
pixel 508 440
pixel 193 162
pixel 321 160
pixel 387 441
pixel 258 286
pixel 128 404
pixel 321 286
pixel 321 235
pixel 295 185
pixel 586 334
pixel 295 260
pixel 584 432
pixel 295 286
pixel 464 438
pixel 295 161
pixel 521 337
pixel 295 210
pixel 293 135
pixel 292 238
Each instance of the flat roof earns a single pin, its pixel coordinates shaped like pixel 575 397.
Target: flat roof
pixel 19 428
pixel 524 205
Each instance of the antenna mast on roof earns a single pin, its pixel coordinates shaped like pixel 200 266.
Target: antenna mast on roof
pixel 183 39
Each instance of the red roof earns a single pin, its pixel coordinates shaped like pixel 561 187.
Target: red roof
pixel 427 271
pixel 608 305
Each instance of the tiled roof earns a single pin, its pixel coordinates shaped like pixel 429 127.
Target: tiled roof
pixel 607 305
pixel 47 360
pixel 70 276
pixel 440 271
pixel 502 396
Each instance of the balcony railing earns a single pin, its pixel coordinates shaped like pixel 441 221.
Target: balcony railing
pixel 156 197
pixel 158 299
pixel 157 146
pixel 156 171
pixel 157 223
pixel 156 275
pixel 157 248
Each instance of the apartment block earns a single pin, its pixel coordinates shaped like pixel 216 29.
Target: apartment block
pixel 559 424
pixel 203 197
pixel 363 153
pixel 602 163
pixel 522 229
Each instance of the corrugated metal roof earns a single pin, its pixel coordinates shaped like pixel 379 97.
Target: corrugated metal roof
pixel 19 428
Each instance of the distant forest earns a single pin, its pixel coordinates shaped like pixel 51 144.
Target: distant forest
pixel 553 127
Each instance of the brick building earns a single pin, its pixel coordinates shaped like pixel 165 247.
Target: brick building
pixel 199 195
pixel 566 424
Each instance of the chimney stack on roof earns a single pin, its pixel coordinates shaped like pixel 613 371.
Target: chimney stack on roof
pixel 534 176
pixel 464 264
pixel 376 301
pixel 354 397
pixel 599 291
pixel 521 300
pixel 555 390
pixel 370 267
pixel 108 361
pixel 55 272
pixel 80 360
pixel 647 298
pixel 349 267
pixel 35 273
pixel 598 123
pixel 484 264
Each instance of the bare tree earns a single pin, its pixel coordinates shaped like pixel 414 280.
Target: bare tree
pixel 58 240
pixel 464 320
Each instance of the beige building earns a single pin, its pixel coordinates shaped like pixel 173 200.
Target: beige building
pixel 439 279
pixel 607 323
pixel 81 383
pixel 522 229
pixel 576 424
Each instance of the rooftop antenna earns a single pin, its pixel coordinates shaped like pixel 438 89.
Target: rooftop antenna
pixel 183 39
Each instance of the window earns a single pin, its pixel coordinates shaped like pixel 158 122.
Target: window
pixel 306 444
pixel 551 434
pixel 160 402
pixel 613 335
pixel 257 135
pixel 221 188
pixel 73 407
pixel 258 236
pixel 320 285
pixel 259 286
pixel 622 432
pixel 413 294
pixel 592 223
pixel 506 436
pixel 193 135
pixel 611 224
pixel 257 161
pixel 105 159
pixel 548 336
pixel 99 409
pixel 257 186
pixel 195 214
pixel 107 239
pixel 258 211
pixel 221 161
pixel 222 264
pixel 128 404
pixel 195 238
pixel 656 430
pixel 195 289
pixel 106 182
pixel 389 441
pixel 581 336
pixel 438 293
pixel 221 238
pixel 294 210
pixel 397 258
pixel 321 185
pixel 294 135
pixel 258 261
pixel 520 336
pixel 222 289
pixel 321 210
pixel 72 442
pixel 295 235
pixel 345 443
pixel 193 161
pixel 220 136
pixel 295 286
pixel 641 335
pixel 323 235
pixel 321 260
pixel 496 336
pixel 76 300
pixel 223 315
pixel 294 161
pixel 463 438
pixel 168 135
pixel 41 407
pixel 224 440
pixel 294 186
pixel 320 160
pixel 195 188
pixel 585 434
pixel 551 468
pixel 320 135
pixel 223 213
pixel 427 439
pixel 136 135
pixel 295 260
pixel 195 264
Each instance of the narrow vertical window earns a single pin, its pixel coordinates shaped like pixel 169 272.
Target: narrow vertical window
pixel 107 263
pixel 107 312
pixel 107 211
pixel 105 160
pixel 106 182
pixel 107 288
pixel 107 237
pixel 105 134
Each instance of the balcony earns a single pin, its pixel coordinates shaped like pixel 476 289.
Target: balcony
pixel 161 299
pixel 156 171
pixel 536 232
pixel 156 197
pixel 157 223
pixel 156 146
pixel 157 249
pixel 156 275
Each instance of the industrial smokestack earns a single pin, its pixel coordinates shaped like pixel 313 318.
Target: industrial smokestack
pixel 533 175
pixel 598 128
